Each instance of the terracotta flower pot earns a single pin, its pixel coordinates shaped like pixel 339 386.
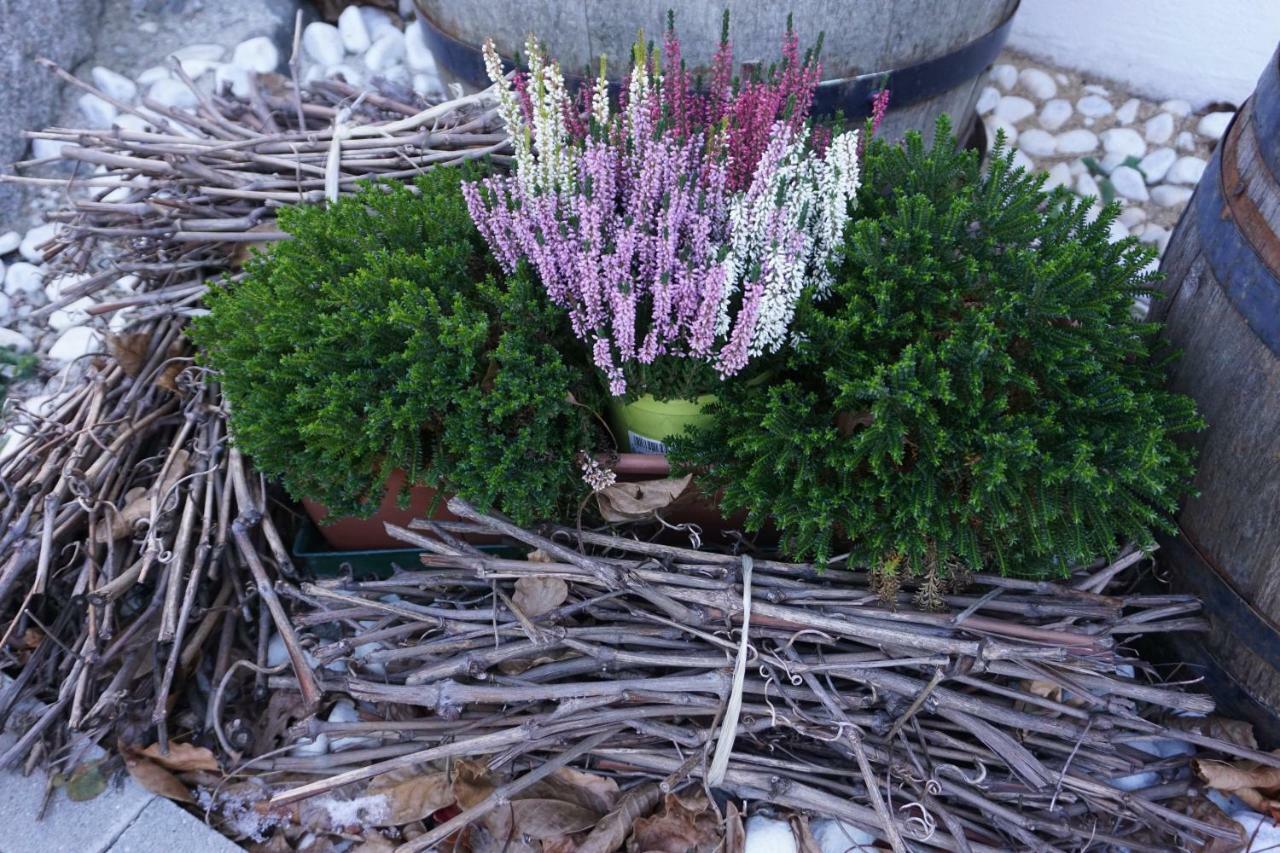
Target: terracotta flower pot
pixel 355 534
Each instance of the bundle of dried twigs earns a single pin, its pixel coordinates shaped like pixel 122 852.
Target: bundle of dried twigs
pixel 1001 722
pixel 137 553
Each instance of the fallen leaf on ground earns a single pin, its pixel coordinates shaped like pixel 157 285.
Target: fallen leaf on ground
pixel 537 555
pixel 1237 732
pixel 537 595
pixel 638 501
pixel 1204 809
pixel 182 757
pixel 1231 777
pixel 612 829
pixel 85 782
pixel 156 779
pixel 805 842
pixel 544 818
pixel 130 350
pixel 411 795
pixel 735 834
pixel 681 825
pixel 472 782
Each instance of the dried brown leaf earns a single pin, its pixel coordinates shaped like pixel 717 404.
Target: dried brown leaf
pixel 1237 732
pixel 182 757
pixel 537 595
pixel 1258 802
pixel 805 842
pixel 411 795
pixel 681 825
pixel 598 793
pixel 735 834
pixel 542 818
pixel 613 828
pixel 472 782
pixel 1236 777
pixel 173 365
pixel 638 501
pixel 130 350
pixel 156 779
pixel 537 555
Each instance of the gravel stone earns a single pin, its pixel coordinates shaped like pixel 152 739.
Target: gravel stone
pixel 323 43
pixel 97 112
pixel 9 241
pixel 1159 128
pixel 25 279
pixel 174 93
pixel 387 51
pixel 1095 89
pixel 1133 216
pixel 1187 170
pixel 34 238
pixel 1038 83
pixel 1058 176
pixel 1124 141
pixel 1014 109
pixel 1128 111
pixel 256 54
pixel 1079 141
pixel 355 35
pixel 16 341
pixel 1005 76
pixel 1177 107
pixel 1129 182
pixel 1156 164
pixel 1037 143
pixel 74 343
pixel 1186 141
pixel 1213 125
pixel 1094 106
pixel 996 124
pixel 1055 113
pixel 1167 195
pixel 1087 186
pixel 114 85
pixel 986 101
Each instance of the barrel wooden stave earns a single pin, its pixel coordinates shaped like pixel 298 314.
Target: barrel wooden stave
pixel 1222 310
pixel 858 38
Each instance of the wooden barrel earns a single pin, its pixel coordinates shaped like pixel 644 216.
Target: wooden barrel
pixel 932 54
pixel 1222 310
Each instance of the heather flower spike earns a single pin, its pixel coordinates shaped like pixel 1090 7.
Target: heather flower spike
pixel 688 223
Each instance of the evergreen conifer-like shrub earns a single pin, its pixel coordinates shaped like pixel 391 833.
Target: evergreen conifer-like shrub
pixel 383 336
pixel 973 393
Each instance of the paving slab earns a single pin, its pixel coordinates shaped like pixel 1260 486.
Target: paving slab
pixel 163 827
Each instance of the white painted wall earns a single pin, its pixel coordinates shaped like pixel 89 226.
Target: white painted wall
pixel 1200 50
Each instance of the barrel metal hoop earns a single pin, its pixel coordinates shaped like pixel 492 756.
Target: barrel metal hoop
pixel 850 95
pixel 1266 113
pixel 1237 240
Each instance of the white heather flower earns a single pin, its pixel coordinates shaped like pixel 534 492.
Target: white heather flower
pixel 600 99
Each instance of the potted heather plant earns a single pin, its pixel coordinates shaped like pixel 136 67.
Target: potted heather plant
pixel 380 354
pixel 973 395
pixel 678 230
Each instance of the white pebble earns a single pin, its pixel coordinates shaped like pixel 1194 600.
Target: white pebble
pixel 1177 107
pixel 1110 161
pixel 1058 176
pixel 429 87
pixel 1078 167
pixel 1037 143
pixel 16 341
pixel 173 93
pixel 1186 141
pixel 1129 183
pixel 1125 141
pixel 1005 76
pixel 1159 128
pixel 1078 141
pixel 74 343
pixel 396 74
pixel 996 125
pixel 836 836
pixel 96 111
pixel 1095 89
pixel 1038 83
pixel 47 149
pixel 73 314
pixel 1094 106
pixel 1116 232
pixel 23 278
pixel 769 835
pixel 1156 164
pixel 1133 216
pixel 1087 186
pixel 1014 109
pixel 377 22
pixel 129 121
pixel 385 52
pixel 1128 111
pixel 34 238
pixel 1167 195
pixel 1091 215
pixel 355 35
pixel 348 72
pixel 234 78
pixel 416 51
pixel 1054 113
pixel 114 85
pixel 206 52
pixel 1157 235
pixel 1213 125
pixel 55 287
pixel 9 241
pixel 154 74
pixel 986 101
pixel 311 746
pixel 1022 161
pixel 197 68
pixel 1187 170
pixel 256 54
pixel 323 43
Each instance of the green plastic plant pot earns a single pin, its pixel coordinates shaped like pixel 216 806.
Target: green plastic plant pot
pixel 645 425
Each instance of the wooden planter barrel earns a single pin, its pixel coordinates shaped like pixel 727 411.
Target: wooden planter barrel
pixel 1222 309
pixel 932 54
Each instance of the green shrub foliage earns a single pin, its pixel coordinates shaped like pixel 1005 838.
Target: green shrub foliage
pixel 974 392
pixel 382 336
